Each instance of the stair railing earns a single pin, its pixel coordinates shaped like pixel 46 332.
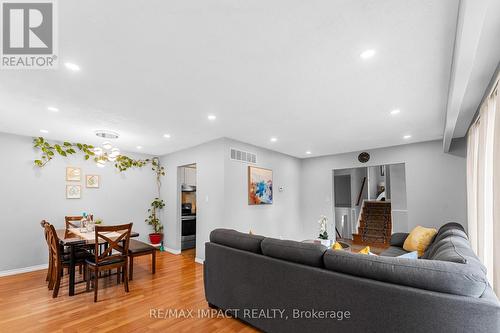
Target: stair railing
pixel 359 216
pixel 361 191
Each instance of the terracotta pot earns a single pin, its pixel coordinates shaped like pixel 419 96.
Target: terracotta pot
pixel 156 238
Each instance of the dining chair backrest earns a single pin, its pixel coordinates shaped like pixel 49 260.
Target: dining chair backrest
pixel 117 238
pixel 43 223
pixel 70 221
pixel 53 242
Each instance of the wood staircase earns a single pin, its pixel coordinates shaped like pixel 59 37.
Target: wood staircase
pixel 375 223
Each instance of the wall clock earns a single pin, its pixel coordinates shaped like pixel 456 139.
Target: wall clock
pixel 364 157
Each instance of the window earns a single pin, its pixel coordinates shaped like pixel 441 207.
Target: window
pixel 483 186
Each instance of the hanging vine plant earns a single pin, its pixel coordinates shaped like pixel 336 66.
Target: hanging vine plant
pixel 121 163
pixel 66 148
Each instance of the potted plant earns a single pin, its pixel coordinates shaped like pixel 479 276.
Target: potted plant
pixel 157 236
pixel 323 234
pixel 323 221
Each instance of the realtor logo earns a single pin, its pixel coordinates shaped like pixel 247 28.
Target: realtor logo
pixel 28 34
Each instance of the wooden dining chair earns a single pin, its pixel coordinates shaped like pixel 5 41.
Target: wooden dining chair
pixel 117 239
pixel 56 270
pixel 74 221
pixel 138 248
pixel 59 259
pixel 44 223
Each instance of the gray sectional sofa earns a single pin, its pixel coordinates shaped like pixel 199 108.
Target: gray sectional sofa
pixel 287 286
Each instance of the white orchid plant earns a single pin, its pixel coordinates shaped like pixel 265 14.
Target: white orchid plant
pixel 323 222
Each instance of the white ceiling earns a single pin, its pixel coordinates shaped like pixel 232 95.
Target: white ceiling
pixel 289 69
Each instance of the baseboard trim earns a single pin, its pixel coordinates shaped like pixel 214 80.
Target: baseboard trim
pixel 199 261
pixel 173 251
pixel 23 270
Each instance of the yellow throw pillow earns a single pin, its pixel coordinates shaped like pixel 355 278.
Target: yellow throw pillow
pixel 366 250
pixel 337 246
pixel 419 239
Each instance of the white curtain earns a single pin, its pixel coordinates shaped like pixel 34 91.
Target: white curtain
pixel 496 196
pixel 483 187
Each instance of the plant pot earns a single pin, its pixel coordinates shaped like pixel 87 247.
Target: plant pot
pixel 156 238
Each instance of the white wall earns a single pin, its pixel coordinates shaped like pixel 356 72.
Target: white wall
pixel 209 159
pixel 398 199
pixel 282 218
pixel 224 182
pixel 435 183
pixel 29 194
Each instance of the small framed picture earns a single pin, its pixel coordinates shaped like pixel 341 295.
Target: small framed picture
pixel 73 174
pixel 73 191
pixel 92 181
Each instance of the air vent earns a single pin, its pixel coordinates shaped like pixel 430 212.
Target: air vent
pixel 243 156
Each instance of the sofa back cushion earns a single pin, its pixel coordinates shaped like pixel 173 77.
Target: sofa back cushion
pixel 434 275
pixel 451 225
pixel 237 240
pixel 452 244
pixel 449 229
pixel 302 253
pixel 398 239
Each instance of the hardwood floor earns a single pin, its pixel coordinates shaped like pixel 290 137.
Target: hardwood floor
pixel 26 305
pixel 376 248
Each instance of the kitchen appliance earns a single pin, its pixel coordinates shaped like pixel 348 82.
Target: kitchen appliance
pixel 188 226
pixel 188 188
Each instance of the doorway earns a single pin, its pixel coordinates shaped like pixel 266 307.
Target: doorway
pixel 188 209
pixel 370 204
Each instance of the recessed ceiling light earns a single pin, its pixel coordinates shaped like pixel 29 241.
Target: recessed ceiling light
pixel 367 54
pixel 52 109
pixel 139 147
pixel 274 139
pixel 211 117
pixel 395 112
pixel 308 152
pixel 44 131
pixel 72 67
pixel 166 136
pixel 406 137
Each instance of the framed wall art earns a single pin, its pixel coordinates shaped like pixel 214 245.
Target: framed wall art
pixel 73 191
pixel 260 186
pixel 92 181
pixel 73 174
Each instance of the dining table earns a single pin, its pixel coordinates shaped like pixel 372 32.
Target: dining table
pixel 73 238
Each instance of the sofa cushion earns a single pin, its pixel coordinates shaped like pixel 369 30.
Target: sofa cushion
pixel 398 238
pixel 455 249
pixel 393 251
pixel 302 253
pixel 451 225
pixel 409 255
pixel 237 240
pixel 457 227
pixel 419 239
pixel 439 237
pixel 434 275
pixel 451 233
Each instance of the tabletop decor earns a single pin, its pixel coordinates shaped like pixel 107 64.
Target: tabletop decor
pixel 323 222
